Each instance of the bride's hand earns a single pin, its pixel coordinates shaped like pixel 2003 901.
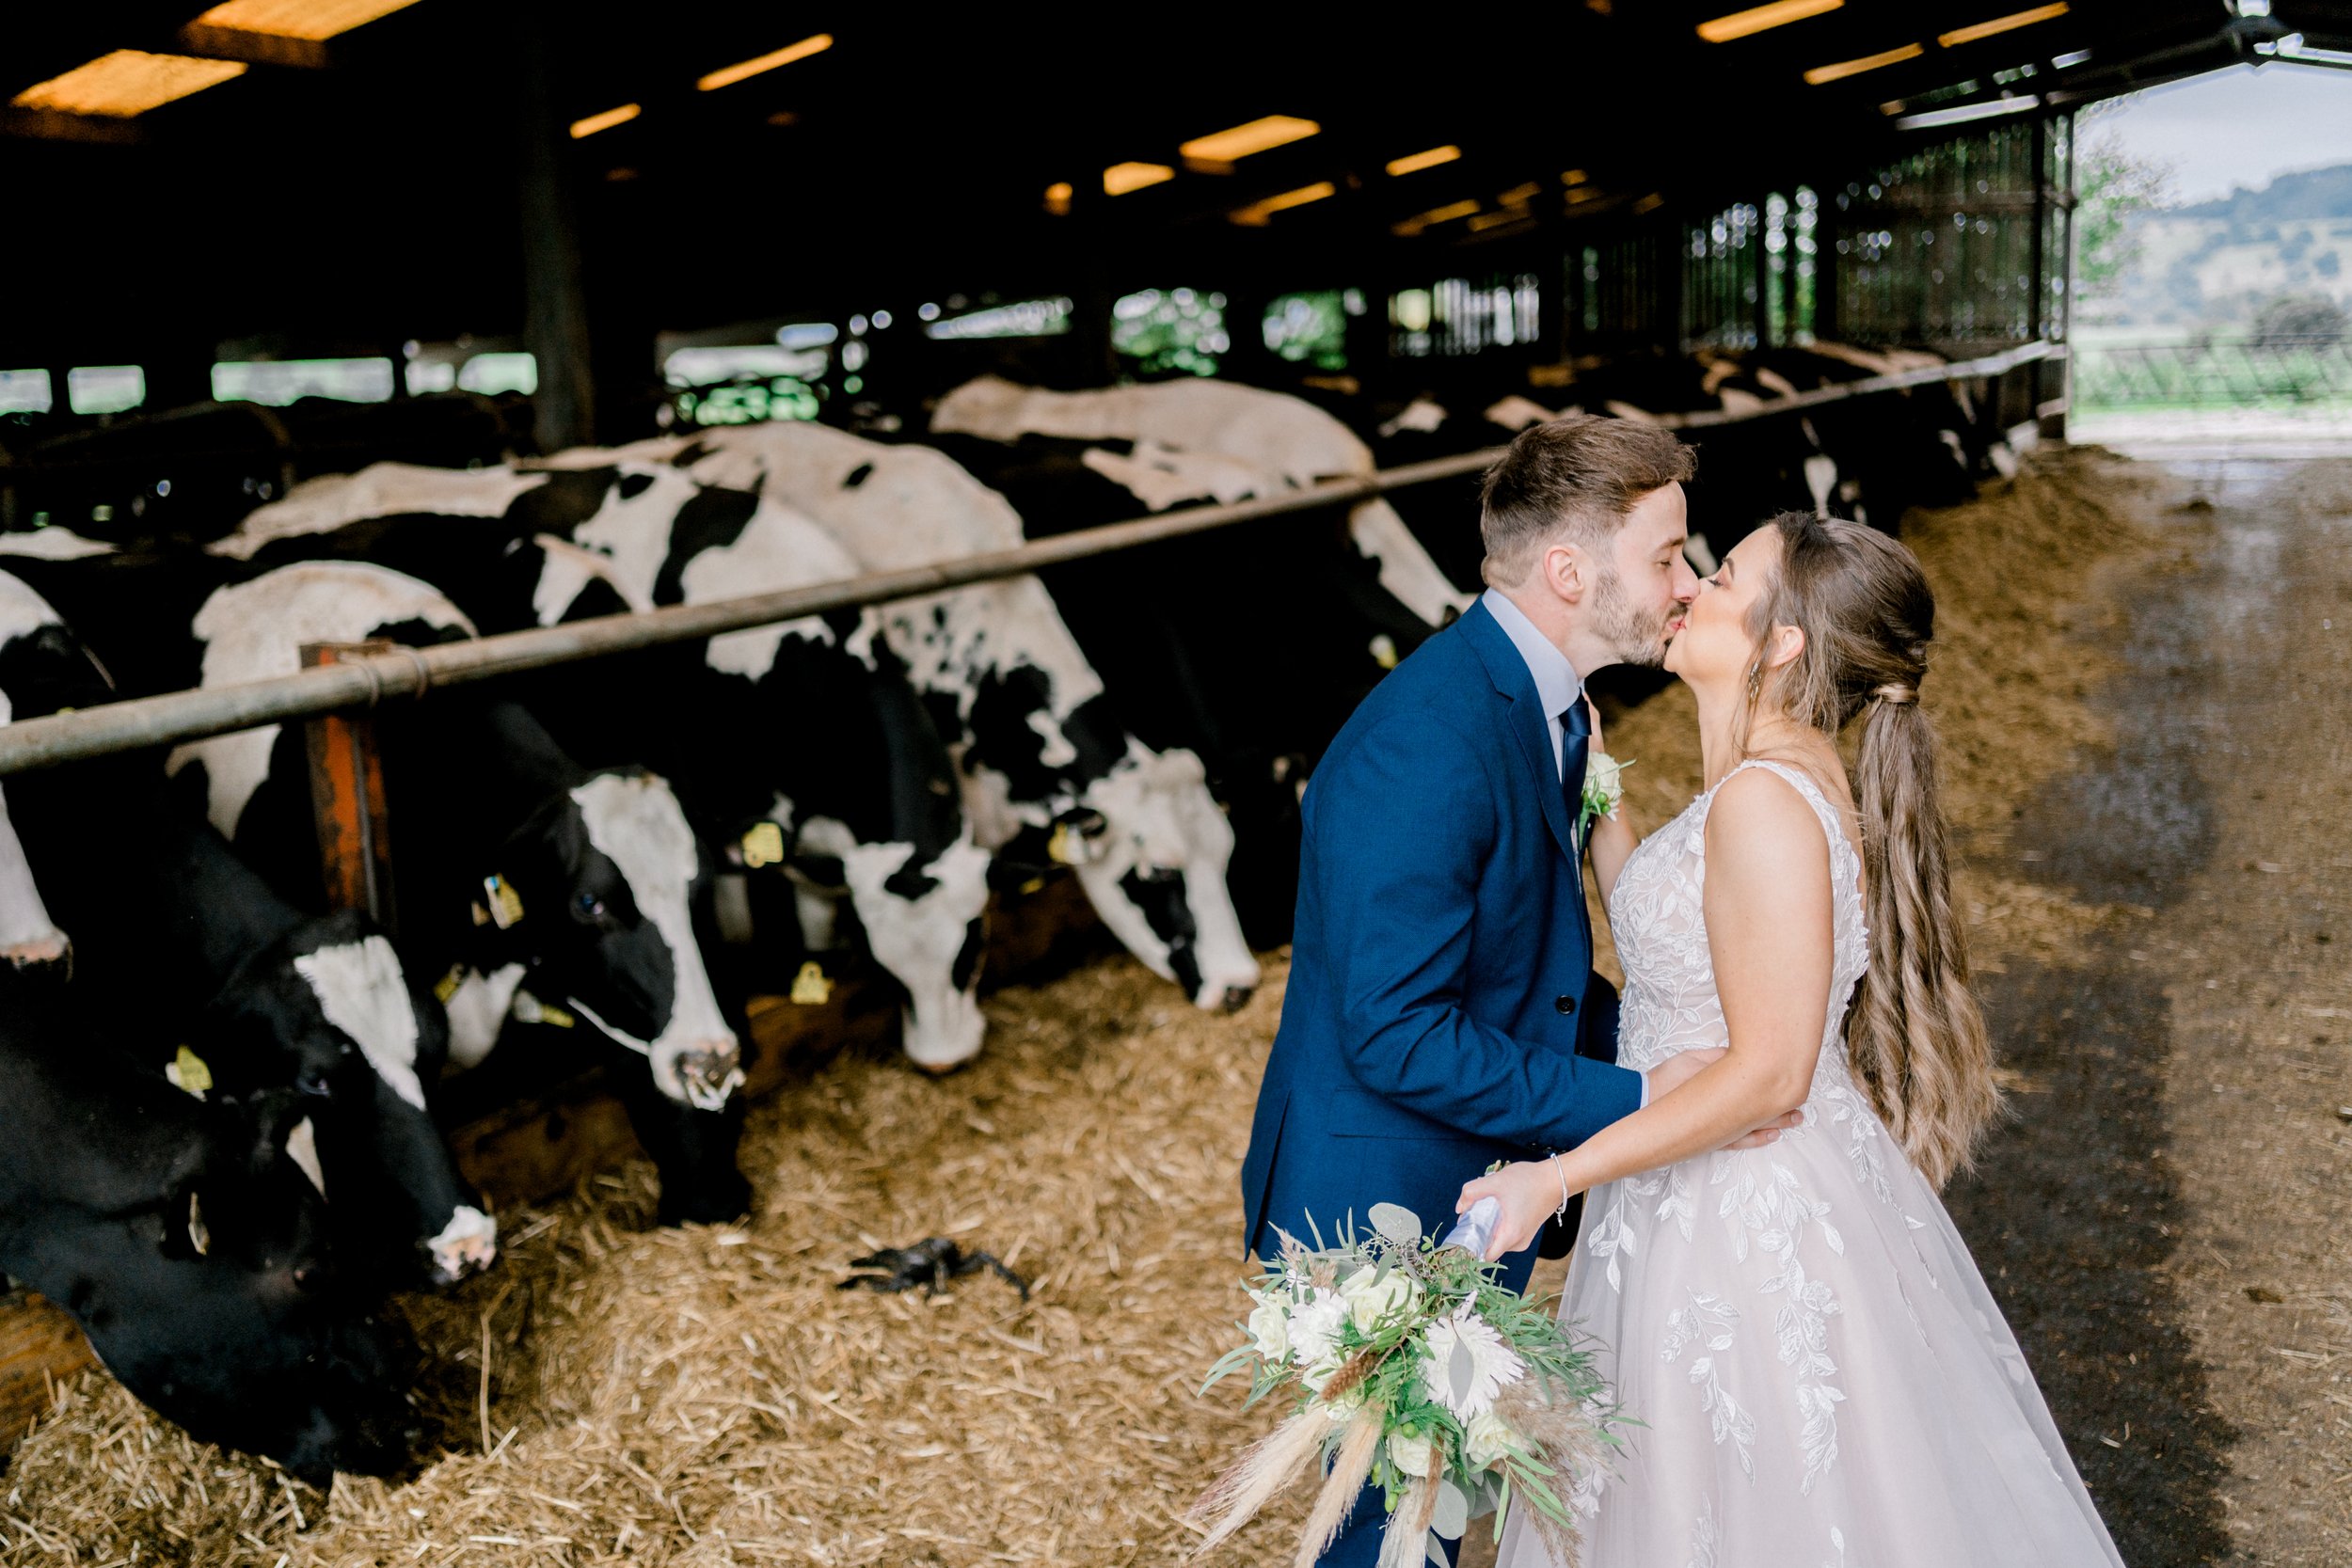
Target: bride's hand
pixel 1530 1192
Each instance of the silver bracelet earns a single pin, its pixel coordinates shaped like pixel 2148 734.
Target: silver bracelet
pixel 1559 1215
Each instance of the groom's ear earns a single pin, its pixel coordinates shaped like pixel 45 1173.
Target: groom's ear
pixel 1568 570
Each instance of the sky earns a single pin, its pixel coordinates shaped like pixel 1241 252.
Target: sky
pixel 2244 126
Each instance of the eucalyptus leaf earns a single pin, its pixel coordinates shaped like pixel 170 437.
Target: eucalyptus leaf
pixel 1461 1370
pixel 1397 1223
pixel 1452 1516
pixel 1435 1549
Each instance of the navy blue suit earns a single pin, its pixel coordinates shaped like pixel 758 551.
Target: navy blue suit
pixel 1440 966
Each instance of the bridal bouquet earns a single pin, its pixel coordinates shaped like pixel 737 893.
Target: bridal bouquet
pixel 1414 1370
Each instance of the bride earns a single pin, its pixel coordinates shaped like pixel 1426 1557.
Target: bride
pixel 1822 1378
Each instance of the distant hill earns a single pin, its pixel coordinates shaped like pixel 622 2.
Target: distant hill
pixel 2215 263
pixel 2319 193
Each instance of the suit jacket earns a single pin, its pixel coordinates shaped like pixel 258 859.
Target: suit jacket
pixel 1441 966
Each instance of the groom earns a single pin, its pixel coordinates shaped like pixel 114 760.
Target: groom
pixel 1443 1011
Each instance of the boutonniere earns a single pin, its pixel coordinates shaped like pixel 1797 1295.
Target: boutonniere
pixel 1604 789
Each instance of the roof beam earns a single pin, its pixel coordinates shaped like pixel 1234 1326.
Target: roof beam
pixel 239 44
pixel 57 125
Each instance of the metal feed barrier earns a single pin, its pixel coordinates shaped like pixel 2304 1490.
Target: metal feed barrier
pixel 2213 373
pixel 363 680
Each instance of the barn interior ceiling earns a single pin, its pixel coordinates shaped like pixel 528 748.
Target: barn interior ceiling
pixel 335 176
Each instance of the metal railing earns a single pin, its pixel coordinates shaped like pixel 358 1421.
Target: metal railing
pixel 2214 372
pixel 173 717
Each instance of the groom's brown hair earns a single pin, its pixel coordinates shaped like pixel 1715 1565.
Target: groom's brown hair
pixel 1579 475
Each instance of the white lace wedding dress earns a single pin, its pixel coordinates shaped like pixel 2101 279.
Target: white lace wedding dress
pixel 1824 1379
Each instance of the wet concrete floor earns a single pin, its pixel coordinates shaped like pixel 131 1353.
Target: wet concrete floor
pixel 2159 1215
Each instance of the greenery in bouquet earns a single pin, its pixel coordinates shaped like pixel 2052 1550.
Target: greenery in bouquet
pixel 1412 1370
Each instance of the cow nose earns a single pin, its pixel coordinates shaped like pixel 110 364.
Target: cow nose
pixel 54 949
pixel 711 1071
pixel 1237 997
pixel 467 1246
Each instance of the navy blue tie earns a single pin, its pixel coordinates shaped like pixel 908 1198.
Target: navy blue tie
pixel 1576 724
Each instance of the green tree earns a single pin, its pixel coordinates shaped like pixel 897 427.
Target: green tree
pixel 2112 184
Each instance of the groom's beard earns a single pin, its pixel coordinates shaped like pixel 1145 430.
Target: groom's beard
pixel 1638 637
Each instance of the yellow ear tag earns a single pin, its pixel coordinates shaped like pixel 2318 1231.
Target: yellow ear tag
pixel 446 986
pixel 810 989
pixel 1034 885
pixel 763 845
pixel 506 904
pixel 1059 850
pixel 187 1071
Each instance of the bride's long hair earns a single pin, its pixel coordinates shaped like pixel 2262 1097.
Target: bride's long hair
pixel 1914 1034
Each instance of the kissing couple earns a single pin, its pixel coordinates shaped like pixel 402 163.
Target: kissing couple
pixel 1760 1128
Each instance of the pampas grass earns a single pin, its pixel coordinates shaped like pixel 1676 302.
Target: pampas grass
pixel 1409 1526
pixel 1269 1464
pixel 1570 1439
pixel 1350 1469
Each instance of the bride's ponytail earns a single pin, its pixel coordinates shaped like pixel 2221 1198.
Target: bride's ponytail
pixel 1914 1036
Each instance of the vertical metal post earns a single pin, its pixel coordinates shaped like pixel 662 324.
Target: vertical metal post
pixel 347 797
pixel 1826 326
pixel 2039 257
pixel 1672 263
pixel 555 313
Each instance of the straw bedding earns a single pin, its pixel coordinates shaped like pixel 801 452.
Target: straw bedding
pixel 613 1393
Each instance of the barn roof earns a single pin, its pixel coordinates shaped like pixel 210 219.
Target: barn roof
pixel 344 194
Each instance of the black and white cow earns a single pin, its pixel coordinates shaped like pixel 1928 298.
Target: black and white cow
pixel 810 725
pixel 1868 459
pixel 1249 648
pixel 182 1238
pixel 1048 771
pixel 513 864
pixel 31 638
pixel 189 948
pixel 806 733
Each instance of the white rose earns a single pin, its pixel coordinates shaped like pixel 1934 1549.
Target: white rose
pixel 1485 1439
pixel 1412 1456
pixel 1604 785
pixel 1270 1329
pixel 1392 1293
pixel 1314 1327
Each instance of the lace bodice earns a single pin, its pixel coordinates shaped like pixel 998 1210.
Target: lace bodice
pixel 1657 916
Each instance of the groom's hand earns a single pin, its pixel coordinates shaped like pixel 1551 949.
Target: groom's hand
pixel 1681 1068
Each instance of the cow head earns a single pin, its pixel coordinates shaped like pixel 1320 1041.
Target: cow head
pixel 328 1011
pixel 43 667
pixel 220 1307
pixel 923 925
pixel 28 938
pixel 1151 847
pixel 594 893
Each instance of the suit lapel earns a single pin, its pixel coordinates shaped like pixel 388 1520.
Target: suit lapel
pixel 1526 720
